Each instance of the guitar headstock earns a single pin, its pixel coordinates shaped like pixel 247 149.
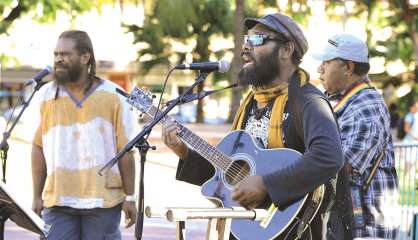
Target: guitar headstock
pixel 140 99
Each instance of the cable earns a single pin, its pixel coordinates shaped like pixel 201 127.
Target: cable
pixel 161 96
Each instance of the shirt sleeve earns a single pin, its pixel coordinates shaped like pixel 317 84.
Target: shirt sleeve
pixel 409 118
pixel 318 164
pixel 37 139
pixel 194 169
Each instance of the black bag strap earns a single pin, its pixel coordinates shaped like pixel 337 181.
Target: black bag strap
pixel 373 171
pixel 313 203
pixel 293 88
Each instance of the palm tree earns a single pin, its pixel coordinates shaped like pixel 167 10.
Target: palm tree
pixel 186 22
pixel 236 62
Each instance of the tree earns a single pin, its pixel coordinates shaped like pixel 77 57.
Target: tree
pixel 187 22
pixel 401 18
pixel 42 11
pixel 252 10
pixel 236 62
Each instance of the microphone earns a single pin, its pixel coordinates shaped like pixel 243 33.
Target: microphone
pixel 221 66
pixel 38 77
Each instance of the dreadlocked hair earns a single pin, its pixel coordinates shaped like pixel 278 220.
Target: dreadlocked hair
pixel 82 45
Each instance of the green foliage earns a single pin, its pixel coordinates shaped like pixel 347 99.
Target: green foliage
pixel 188 22
pixel 250 8
pixel 4 58
pixel 399 46
pixel 50 8
pixel 300 14
pixel 43 10
pixel 406 101
pixel 181 21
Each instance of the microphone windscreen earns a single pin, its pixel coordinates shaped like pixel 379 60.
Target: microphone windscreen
pixel 224 66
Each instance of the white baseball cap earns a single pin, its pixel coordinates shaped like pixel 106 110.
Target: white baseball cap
pixel 344 46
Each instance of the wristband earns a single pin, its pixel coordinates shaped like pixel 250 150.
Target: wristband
pixel 131 198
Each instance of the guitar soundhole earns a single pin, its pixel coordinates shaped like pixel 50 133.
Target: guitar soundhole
pixel 237 172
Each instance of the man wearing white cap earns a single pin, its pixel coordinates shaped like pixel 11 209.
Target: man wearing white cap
pixel 363 120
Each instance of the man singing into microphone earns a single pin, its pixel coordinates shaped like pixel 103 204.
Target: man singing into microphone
pixel 83 124
pixel 282 110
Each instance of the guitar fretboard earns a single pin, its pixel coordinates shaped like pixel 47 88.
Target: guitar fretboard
pixel 212 154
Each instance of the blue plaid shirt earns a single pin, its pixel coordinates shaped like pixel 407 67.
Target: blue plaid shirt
pixel 364 125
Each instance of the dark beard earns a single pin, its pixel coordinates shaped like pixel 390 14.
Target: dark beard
pixel 72 74
pixel 261 72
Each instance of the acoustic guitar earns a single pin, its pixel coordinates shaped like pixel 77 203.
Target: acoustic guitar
pixel 235 157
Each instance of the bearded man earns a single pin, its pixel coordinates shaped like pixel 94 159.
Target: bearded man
pixel 83 124
pixel 282 110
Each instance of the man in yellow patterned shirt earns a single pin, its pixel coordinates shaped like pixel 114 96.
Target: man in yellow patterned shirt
pixel 83 124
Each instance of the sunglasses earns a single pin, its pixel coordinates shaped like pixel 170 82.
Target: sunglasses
pixel 258 39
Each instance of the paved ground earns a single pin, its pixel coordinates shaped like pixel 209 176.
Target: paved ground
pixel 160 187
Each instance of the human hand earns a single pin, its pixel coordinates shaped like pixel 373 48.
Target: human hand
pixel 348 168
pixel 172 140
pixel 129 208
pixel 37 205
pixel 250 192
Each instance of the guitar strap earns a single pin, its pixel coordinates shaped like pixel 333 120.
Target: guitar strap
pixel 315 200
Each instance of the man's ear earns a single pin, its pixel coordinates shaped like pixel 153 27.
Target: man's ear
pixel 350 68
pixel 85 57
pixel 286 50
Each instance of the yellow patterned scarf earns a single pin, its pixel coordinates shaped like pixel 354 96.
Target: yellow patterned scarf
pixel 264 96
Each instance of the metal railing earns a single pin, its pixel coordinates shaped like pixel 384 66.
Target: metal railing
pixel 406 159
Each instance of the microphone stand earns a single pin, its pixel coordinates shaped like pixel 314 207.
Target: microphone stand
pixel 4 148
pixel 140 141
pixel 4 145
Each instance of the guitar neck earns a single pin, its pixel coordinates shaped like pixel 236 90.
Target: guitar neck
pixel 209 152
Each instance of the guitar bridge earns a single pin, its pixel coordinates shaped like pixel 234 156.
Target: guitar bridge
pixel 270 213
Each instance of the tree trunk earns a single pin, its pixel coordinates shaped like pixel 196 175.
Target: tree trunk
pixel 200 117
pixel 14 14
pixel 236 61
pixel 202 50
pixel 414 35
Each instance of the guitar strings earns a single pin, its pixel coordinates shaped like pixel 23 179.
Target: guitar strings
pixel 227 164
pixel 238 173
pixel 223 157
